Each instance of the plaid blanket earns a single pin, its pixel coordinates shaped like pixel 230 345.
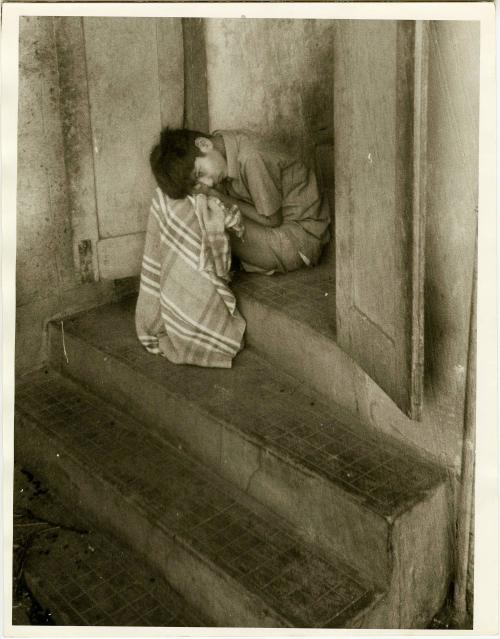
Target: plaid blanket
pixel 214 218
pixel 185 310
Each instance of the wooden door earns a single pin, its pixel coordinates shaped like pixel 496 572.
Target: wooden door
pixel 380 138
pixel 121 81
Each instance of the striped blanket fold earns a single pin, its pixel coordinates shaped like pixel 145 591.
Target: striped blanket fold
pixel 214 218
pixel 185 310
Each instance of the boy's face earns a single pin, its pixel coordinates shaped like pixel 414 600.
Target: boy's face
pixel 210 168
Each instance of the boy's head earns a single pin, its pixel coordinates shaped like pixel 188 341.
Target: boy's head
pixel 184 158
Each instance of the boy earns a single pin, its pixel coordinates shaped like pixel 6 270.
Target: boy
pixel 286 221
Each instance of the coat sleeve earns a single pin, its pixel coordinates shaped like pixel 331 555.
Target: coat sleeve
pixel 262 177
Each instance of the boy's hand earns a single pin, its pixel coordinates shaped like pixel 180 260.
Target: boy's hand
pixel 201 188
pixel 206 190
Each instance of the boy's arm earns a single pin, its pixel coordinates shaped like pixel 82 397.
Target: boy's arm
pixel 247 210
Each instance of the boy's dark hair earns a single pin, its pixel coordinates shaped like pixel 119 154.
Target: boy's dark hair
pixel 172 161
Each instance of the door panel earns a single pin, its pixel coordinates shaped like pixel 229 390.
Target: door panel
pixel 379 112
pixel 77 135
pixel 111 254
pixel 122 76
pixel 126 84
pixel 374 165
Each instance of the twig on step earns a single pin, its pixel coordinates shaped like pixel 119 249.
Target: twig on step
pixel 64 343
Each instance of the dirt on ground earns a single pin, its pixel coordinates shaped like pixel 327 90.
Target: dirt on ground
pixel 34 528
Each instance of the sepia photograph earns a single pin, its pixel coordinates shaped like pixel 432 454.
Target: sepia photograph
pixel 244 365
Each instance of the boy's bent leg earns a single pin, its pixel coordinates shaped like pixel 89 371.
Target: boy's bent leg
pixel 267 248
pixel 256 246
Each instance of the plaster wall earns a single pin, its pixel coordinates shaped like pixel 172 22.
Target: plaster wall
pixel 47 283
pixel 452 198
pixel 272 76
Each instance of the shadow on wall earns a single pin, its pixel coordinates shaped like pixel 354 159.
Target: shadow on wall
pixel 285 91
pixel 452 196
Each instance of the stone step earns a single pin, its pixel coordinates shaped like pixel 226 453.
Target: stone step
pixel 304 303
pixel 81 576
pixel 354 496
pixel 231 563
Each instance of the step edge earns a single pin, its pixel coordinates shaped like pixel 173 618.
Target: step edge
pixel 254 440
pixel 248 297
pixel 225 484
pixel 32 580
pixel 373 592
pixel 334 487
pixel 417 454
pixel 438 463
pixel 376 600
pixel 175 537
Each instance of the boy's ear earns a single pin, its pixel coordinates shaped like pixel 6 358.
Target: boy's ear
pixel 203 144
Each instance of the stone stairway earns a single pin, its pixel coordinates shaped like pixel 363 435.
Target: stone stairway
pixel 258 498
pixel 68 573
pixel 230 559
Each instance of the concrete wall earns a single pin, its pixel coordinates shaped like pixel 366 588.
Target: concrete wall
pixel 452 196
pixel 452 186
pixel 46 283
pixel 453 153
pixel 452 175
pixel 272 76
